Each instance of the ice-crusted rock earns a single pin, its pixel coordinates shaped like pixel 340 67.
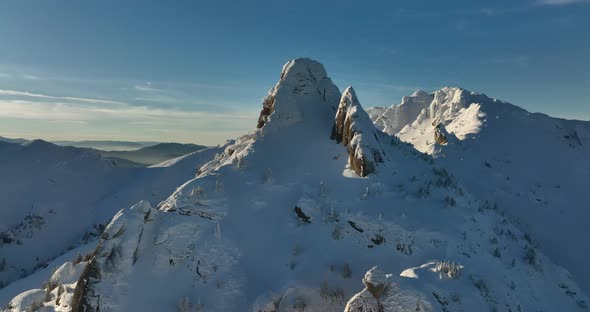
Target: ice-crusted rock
pixel 377 285
pixel 68 273
pixel 30 300
pixel 303 91
pixel 353 128
pixel 376 281
pixel 382 295
pixel 55 294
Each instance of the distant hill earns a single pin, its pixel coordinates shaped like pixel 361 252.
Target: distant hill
pixel 17 141
pixel 155 154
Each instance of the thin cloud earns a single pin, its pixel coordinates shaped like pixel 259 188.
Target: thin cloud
pixel 31 77
pixel 139 122
pixel 560 2
pixel 81 122
pixel 147 87
pixel 75 111
pixel 66 98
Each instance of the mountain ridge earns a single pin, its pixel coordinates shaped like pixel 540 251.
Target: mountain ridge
pixel 524 161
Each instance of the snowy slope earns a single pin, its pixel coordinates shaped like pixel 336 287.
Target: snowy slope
pixel 54 198
pixel 283 221
pixel 534 167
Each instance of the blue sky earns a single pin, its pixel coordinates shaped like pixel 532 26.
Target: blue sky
pixel 196 71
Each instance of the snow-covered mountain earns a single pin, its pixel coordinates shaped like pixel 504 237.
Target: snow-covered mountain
pixel 530 165
pixel 291 216
pixel 54 198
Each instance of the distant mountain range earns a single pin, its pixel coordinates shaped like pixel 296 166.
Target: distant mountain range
pixel 108 145
pixel 136 153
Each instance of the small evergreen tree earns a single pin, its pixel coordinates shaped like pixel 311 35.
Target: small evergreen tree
pixel 219 184
pixel 323 190
pixel 198 194
pixel 267 175
pixel 184 305
pixel 78 259
pixel 346 271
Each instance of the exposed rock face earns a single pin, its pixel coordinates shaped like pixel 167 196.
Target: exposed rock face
pixel 268 107
pixel 304 89
pixel 439 136
pixel 353 128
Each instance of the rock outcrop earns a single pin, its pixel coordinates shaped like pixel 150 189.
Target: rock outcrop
pixel 114 256
pixel 377 286
pixel 353 128
pixel 268 107
pixel 439 135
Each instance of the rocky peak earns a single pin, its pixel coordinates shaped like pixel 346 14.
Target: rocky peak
pixel 395 117
pixel 353 128
pixel 303 91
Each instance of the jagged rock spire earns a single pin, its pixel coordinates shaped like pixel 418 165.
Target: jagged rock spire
pixel 353 128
